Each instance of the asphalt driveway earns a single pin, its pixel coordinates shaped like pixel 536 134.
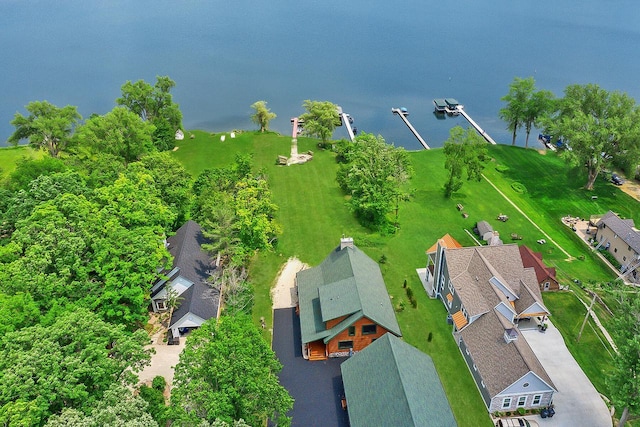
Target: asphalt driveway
pixel 577 402
pixel 315 386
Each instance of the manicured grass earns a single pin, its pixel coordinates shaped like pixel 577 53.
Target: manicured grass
pixel 314 215
pixel 9 156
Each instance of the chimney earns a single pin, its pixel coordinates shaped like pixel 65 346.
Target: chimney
pixel 346 242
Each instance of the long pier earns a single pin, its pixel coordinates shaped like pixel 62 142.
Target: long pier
pixel 403 116
pixel 294 125
pixel 475 125
pixel 347 124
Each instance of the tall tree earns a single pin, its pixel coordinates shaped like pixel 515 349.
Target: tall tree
pixel 320 120
pixel 539 106
pixel 374 176
pixel 119 132
pixel 228 372
pixel 47 126
pixel 68 364
pixel 154 104
pixel 262 115
pixel 463 150
pixel 598 127
pixel 520 92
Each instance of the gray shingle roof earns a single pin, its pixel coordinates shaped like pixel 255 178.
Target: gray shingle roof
pixel 391 383
pixel 471 270
pixel 347 283
pixel 623 228
pixel 195 265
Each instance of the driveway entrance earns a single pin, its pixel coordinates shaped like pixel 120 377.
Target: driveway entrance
pixel 577 402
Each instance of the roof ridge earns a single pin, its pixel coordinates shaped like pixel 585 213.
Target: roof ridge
pixel 392 345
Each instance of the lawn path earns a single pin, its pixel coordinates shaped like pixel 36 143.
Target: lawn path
pixel 569 257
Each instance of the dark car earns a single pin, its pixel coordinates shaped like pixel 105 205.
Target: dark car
pixel 615 178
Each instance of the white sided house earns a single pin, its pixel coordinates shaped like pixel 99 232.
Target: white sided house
pixel 487 292
pixel 197 301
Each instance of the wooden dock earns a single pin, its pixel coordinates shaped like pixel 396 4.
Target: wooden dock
pixel 294 125
pixel 403 116
pixel 481 131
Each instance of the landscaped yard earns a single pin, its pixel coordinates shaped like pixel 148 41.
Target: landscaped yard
pixel 314 215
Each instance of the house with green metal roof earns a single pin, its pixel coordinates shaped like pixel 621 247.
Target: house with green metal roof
pixel 392 383
pixel 343 304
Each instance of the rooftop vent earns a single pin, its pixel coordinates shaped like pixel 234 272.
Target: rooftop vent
pixel 510 335
pixel 346 242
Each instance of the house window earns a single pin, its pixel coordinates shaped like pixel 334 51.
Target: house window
pixel 161 304
pixel 369 329
pixel 345 345
pixel 506 403
pixel 352 331
pixel 536 400
pixel 522 400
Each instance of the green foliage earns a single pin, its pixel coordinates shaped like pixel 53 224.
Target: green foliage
pixel 17 311
pixel 28 169
pixel 262 115
pixel 599 126
pixel 159 383
pixel 502 168
pixel 227 372
pixel 374 176
pixel 47 127
pixel 155 399
pixel 464 150
pixel 120 132
pixel 154 104
pixel 69 364
pixel 320 120
pixel 518 187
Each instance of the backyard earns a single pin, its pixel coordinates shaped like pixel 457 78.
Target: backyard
pixel 314 215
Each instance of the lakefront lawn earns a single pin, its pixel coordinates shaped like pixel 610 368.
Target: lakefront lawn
pixel 314 214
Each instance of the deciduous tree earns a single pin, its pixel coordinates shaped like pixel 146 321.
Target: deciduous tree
pixel 598 128
pixel 464 150
pixel 262 115
pixel 228 372
pixel 46 127
pixel 320 120
pixel 518 98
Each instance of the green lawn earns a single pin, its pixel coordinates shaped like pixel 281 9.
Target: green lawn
pixel 9 156
pixel 314 215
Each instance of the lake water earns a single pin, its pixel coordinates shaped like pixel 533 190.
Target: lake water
pixel 365 56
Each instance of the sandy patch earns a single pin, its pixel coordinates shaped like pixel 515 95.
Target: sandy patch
pixel 632 188
pixel 283 293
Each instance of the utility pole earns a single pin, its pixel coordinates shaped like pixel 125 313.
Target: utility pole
pixel 586 317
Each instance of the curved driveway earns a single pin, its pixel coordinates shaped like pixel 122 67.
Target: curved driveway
pixel 577 402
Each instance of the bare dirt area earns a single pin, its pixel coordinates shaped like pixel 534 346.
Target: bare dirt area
pixel 283 293
pixel 632 188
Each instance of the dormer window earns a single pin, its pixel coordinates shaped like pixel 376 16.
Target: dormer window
pixel 510 335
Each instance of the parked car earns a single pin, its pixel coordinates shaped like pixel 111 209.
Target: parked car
pixel 615 178
pixel 516 422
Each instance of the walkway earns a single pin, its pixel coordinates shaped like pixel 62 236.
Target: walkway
pixel 569 257
pixel 403 116
pixel 481 131
pixel 577 402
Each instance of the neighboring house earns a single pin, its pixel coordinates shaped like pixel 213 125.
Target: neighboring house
pixel 546 276
pixel 622 240
pixel 197 301
pixel 391 383
pixel 487 291
pixel 343 304
pixel 445 241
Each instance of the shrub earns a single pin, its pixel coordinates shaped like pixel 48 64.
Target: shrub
pixel 518 187
pixel 159 383
pixel 383 259
pixel 502 168
pixel 521 411
pixel 400 306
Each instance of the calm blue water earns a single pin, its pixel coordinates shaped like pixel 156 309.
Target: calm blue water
pixel 365 56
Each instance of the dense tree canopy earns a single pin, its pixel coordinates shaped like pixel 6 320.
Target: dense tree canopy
pixel 227 371
pixel 374 175
pixel 598 127
pixel 46 127
pixel 463 150
pixel 320 120
pixel 154 104
pixel 70 363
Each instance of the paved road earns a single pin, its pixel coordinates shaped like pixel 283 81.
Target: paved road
pixel 577 402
